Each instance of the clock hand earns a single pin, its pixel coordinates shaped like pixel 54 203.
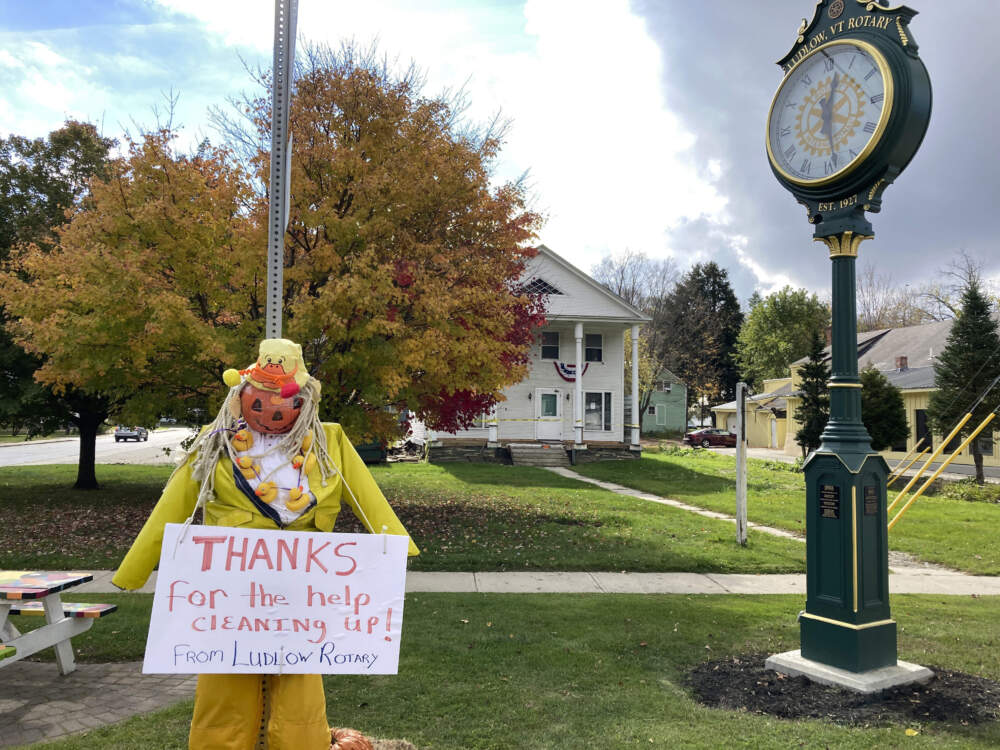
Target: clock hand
pixel 828 117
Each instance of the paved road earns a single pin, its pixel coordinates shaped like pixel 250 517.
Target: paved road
pixel 67 450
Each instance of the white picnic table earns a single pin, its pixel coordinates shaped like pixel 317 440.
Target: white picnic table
pixel 28 592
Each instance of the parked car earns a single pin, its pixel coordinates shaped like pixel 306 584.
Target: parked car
pixel 711 436
pixel 131 433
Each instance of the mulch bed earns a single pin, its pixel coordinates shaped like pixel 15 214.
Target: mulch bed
pixel 741 683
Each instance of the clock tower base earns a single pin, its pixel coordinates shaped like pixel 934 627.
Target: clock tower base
pixel 873 681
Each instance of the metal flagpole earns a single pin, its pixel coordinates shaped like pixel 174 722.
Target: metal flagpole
pixel 285 12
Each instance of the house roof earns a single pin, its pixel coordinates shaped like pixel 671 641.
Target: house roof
pixel 919 344
pixel 866 341
pixel 911 378
pixel 665 374
pixel 582 298
pixel 773 400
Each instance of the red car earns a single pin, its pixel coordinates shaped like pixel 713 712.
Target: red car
pixel 711 436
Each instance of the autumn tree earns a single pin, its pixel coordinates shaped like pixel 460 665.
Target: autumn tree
pixel 149 292
pixel 644 283
pixel 403 260
pixel 813 411
pixel 966 369
pixel 41 180
pixel 882 409
pixel 778 331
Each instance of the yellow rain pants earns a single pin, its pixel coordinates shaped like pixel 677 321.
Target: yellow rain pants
pixel 248 711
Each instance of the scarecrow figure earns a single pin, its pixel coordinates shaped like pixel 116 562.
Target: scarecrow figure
pixel 265 462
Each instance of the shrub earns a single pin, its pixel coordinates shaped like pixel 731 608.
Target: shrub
pixel 971 492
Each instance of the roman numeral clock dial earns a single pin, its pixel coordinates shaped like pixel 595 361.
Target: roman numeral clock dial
pixel 829 113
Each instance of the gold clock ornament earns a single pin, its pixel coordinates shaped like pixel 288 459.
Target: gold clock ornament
pixel 829 113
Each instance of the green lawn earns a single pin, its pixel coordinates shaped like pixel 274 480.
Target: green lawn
pixel 936 529
pixel 463 516
pixel 551 672
pixel 470 516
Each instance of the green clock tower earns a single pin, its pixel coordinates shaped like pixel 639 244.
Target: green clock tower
pixel 847 118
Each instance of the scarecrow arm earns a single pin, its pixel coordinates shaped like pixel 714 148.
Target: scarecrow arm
pixel 375 511
pixel 176 504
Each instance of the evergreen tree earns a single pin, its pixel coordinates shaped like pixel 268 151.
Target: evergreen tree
pixel 703 318
pixel 882 409
pixel 814 410
pixel 966 367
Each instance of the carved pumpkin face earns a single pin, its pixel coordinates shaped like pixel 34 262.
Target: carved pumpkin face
pixel 267 411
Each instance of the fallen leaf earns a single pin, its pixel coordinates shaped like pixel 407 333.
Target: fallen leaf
pixel 912 732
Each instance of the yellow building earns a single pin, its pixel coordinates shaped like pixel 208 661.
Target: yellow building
pixel 767 419
pixel 905 356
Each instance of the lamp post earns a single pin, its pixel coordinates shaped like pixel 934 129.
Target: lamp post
pixel 849 114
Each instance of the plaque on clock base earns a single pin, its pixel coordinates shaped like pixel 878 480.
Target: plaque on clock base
pixel 794 664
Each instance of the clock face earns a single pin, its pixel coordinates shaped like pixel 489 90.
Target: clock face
pixel 829 113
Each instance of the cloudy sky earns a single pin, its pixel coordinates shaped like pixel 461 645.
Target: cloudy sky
pixel 641 123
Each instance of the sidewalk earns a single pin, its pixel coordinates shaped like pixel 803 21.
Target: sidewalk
pixel 914 580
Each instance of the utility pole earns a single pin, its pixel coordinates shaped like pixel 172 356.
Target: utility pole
pixel 285 15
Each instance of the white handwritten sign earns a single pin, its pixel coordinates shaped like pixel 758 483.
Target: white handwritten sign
pixel 264 601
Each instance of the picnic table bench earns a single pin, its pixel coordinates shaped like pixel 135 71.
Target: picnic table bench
pixel 39 593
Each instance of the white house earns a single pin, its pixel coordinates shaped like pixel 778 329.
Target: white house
pixel 584 332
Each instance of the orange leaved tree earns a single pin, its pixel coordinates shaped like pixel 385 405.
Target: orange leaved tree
pixel 151 289
pixel 402 258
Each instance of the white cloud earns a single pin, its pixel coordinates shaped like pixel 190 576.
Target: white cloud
pixel 770 281
pixel 610 163
pixel 7 60
pixel 43 55
pixel 45 88
pixel 237 22
pixel 608 156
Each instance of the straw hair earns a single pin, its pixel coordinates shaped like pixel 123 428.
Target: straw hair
pixel 213 442
pixel 349 739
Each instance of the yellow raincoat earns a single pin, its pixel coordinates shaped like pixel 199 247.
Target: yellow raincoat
pixel 229 711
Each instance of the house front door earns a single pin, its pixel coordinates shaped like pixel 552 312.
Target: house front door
pixel 548 414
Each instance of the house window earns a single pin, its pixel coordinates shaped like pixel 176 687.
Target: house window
pixel 953 444
pixel 664 386
pixel 594 344
pixel 661 415
pixel 597 411
pixel 986 445
pixel 550 344
pixel 651 410
pixel 923 429
pixel 482 421
pixel 540 286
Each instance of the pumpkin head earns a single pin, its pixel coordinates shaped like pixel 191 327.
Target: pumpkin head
pixel 269 412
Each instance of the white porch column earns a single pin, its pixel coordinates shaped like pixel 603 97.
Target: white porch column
pixel 578 385
pixel 494 432
pixel 636 416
